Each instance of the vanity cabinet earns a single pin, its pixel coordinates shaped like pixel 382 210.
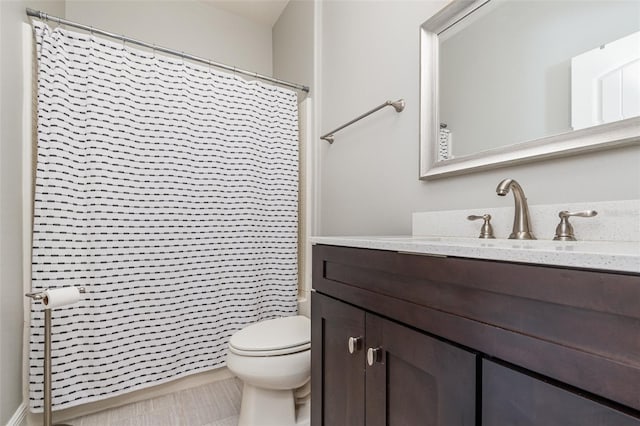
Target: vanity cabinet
pixel 513 398
pixel 377 372
pixel 471 342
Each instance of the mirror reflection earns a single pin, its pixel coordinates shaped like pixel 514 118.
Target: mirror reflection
pixel 514 71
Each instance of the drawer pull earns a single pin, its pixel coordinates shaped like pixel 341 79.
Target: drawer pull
pixel 374 355
pixel 355 344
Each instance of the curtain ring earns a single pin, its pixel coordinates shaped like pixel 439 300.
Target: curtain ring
pixel 123 41
pixel 91 30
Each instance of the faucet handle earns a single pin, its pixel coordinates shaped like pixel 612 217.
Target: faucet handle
pixel 583 213
pixel 487 230
pixel 564 230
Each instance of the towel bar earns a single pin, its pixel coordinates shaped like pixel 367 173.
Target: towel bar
pixel 397 105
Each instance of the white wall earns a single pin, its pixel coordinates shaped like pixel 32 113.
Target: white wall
pixel 194 27
pixel 12 15
pixel 369 185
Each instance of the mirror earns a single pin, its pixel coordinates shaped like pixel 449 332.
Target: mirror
pixel 509 81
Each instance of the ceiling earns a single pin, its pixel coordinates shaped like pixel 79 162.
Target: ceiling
pixel 260 11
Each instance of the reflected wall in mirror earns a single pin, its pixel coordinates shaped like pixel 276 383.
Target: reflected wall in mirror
pixel 508 81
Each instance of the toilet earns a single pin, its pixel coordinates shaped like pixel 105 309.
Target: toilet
pixel 273 359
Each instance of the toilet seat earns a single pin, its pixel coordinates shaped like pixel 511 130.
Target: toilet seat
pixel 280 336
pixel 276 352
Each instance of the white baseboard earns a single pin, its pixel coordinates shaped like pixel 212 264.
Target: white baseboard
pixel 19 417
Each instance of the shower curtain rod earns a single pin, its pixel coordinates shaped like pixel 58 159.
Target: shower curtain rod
pixel 62 21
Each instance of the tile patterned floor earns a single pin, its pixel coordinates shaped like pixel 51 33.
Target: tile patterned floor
pixel 215 404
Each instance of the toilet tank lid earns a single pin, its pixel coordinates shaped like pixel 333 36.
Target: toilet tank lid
pixel 274 334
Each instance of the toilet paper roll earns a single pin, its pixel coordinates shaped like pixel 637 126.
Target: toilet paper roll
pixel 60 297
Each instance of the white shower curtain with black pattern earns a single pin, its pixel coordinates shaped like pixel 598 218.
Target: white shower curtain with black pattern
pixel 169 190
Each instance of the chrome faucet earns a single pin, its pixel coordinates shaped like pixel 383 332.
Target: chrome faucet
pixel 521 224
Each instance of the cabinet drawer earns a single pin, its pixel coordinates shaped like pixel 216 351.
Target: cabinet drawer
pixel 516 399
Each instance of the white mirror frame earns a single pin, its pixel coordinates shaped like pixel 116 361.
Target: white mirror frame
pixel 604 136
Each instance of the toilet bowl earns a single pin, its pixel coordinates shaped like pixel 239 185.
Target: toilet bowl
pixel 273 359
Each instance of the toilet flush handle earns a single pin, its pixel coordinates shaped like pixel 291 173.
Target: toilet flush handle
pixel 355 344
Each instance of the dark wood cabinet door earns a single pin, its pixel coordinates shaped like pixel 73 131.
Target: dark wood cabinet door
pixel 418 380
pixel 337 376
pixel 511 398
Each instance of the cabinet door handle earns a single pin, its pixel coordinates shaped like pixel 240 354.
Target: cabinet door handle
pixel 374 355
pixel 355 344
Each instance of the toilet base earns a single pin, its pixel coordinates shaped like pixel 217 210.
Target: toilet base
pixel 267 407
pixel 303 413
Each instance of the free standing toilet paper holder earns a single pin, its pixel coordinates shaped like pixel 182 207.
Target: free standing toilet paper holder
pixel 47 418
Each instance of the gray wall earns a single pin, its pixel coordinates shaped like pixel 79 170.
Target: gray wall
pixel 191 26
pixel 525 92
pixel 369 184
pixel 293 60
pixel 194 27
pixel 12 14
pixel 293 43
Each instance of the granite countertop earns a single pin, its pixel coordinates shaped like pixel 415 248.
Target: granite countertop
pixel 604 255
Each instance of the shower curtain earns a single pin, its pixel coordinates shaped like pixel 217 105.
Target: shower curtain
pixel 169 191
